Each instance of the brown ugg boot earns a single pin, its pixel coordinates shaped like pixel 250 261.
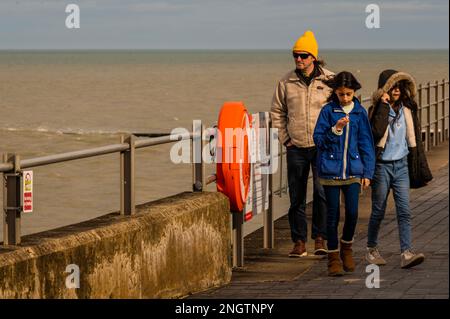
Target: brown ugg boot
pixel 334 264
pixel 346 254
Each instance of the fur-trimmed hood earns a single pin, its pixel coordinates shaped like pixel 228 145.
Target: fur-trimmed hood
pixel 391 81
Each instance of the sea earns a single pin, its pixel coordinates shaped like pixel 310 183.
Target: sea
pixel 53 102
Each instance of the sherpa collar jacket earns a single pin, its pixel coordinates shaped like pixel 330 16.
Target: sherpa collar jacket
pixel 296 107
pixel 419 172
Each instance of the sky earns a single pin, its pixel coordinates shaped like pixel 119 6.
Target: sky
pixel 222 24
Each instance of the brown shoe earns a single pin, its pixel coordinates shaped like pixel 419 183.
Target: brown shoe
pixel 319 246
pixel 334 264
pixel 299 249
pixel 346 255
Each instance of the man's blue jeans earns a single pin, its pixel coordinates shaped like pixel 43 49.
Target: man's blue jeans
pixel 389 175
pixel 298 162
pixel 351 195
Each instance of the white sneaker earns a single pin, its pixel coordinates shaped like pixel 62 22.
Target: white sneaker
pixel 410 259
pixel 373 257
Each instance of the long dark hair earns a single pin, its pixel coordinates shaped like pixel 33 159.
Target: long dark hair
pixel 405 95
pixel 342 79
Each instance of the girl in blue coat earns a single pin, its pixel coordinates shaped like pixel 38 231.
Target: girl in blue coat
pixel 345 161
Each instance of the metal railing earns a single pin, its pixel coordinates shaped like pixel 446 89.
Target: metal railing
pixel 434 128
pixel 12 166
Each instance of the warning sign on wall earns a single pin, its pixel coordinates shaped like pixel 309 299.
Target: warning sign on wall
pixel 27 191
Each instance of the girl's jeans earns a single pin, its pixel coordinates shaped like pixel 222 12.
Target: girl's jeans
pixel 389 175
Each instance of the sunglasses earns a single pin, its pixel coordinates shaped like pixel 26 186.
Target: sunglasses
pixel 303 56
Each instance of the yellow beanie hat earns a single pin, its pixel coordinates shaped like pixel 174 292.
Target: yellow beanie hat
pixel 307 42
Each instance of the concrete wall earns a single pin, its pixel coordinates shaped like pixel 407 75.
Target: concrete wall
pixel 170 248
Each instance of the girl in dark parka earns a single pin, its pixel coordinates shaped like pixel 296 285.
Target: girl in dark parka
pixel 401 161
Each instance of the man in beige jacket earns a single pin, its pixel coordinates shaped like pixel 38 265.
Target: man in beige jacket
pixel 296 105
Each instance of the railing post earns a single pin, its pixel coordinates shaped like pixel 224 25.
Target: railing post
pixel 280 151
pixel 419 100
pixel 238 239
pixel 269 239
pixel 198 167
pixel 11 202
pixel 436 115
pixel 428 131
pixel 127 195
pixel 444 132
pixel 268 215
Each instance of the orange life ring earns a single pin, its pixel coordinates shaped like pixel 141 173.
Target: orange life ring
pixel 233 162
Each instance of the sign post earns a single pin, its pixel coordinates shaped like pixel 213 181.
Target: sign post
pixel 258 198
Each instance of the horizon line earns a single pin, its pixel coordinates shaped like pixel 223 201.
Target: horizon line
pixel 215 49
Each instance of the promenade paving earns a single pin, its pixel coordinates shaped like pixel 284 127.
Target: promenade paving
pixel 271 274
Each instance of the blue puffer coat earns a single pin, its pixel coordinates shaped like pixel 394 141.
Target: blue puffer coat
pixel 351 154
